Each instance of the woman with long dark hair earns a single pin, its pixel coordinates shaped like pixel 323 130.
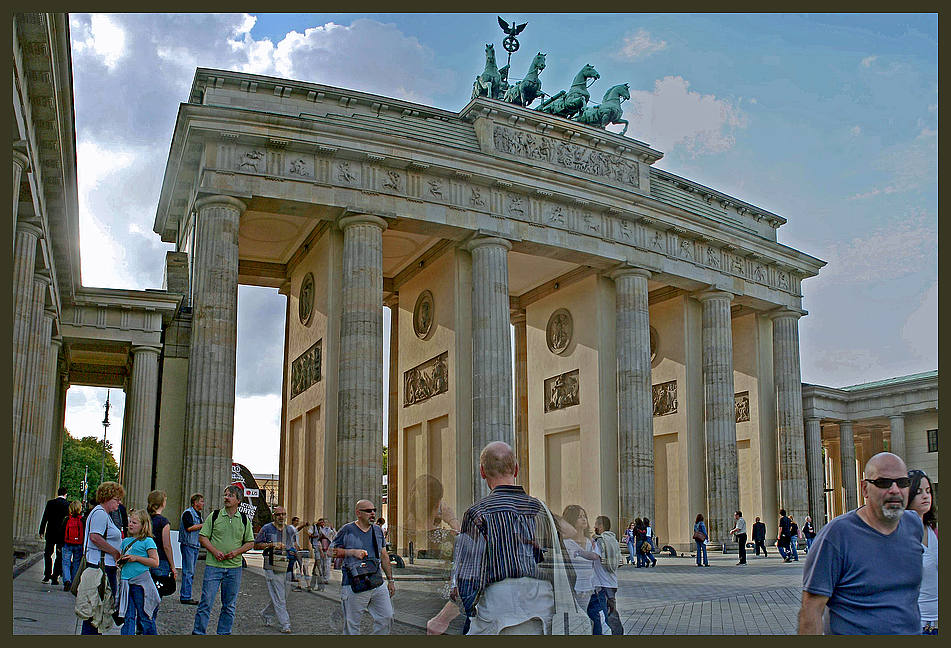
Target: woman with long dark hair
pixel 921 501
pixel 699 528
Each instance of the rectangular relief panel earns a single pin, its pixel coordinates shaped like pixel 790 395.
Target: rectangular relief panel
pixel 664 396
pixel 426 380
pixel 742 405
pixel 305 370
pixel 562 391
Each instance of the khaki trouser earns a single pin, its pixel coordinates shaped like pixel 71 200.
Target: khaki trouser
pixel 277 589
pixel 320 574
pixel 375 601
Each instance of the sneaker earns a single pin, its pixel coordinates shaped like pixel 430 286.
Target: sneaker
pixel 46 579
pixel 286 630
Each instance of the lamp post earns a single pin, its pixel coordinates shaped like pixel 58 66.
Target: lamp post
pixel 105 426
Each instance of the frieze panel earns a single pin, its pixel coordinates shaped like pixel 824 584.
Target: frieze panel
pixel 305 370
pixel 741 403
pixel 562 391
pixel 424 381
pixel 664 396
pixel 347 173
pixel 570 156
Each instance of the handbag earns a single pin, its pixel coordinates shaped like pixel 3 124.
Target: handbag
pixel 164 584
pixel 699 536
pixel 74 585
pixel 645 547
pixel 366 574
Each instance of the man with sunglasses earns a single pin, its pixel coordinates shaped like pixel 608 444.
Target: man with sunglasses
pixel 865 566
pixel 356 542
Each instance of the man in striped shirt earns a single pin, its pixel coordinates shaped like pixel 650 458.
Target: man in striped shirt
pixel 504 573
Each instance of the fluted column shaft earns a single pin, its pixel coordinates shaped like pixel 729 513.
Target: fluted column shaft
pixel 847 461
pixel 209 401
pixel 360 389
pixel 58 425
pixel 897 425
pixel 719 417
pixel 521 397
pixel 24 259
pixel 492 400
pixel 393 423
pixel 20 164
pixel 815 471
pixel 25 467
pixel 793 483
pixel 143 392
pixel 635 406
pixel 46 396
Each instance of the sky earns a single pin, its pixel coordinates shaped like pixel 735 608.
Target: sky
pixel 827 120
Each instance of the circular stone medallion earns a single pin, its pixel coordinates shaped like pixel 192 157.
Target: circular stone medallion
pixel 423 315
pixel 559 331
pixel 305 300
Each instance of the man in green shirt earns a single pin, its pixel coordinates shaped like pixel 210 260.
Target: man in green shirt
pixel 225 535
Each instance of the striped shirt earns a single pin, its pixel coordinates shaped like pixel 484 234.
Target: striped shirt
pixel 510 535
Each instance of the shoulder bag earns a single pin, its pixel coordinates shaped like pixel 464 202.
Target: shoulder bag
pixel 366 574
pixel 74 585
pixel 699 535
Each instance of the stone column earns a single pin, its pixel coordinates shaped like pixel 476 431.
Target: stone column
pixel 815 471
pixel 21 163
pixel 719 416
pixel 492 400
pixel 26 518
pixel 209 400
pixel 635 405
pixel 47 400
pixel 360 372
pixel 59 427
pixel 521 396
pixel 28 233
pixel 140 403
pixel 393 421
pixel 897 444
pixel 793 484
pixel 847 460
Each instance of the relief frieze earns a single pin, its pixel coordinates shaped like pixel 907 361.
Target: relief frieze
pixel 305 370
pixel 741 404
pixel 562 391
pixel 426 380
pixel 664 396
pixel 570 156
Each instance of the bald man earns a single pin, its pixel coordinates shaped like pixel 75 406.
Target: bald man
pixel 507 594
pixel 276 538
pixel 358 542
pixel 865 566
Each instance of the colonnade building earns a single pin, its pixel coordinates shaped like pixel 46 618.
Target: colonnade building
pixel 656 343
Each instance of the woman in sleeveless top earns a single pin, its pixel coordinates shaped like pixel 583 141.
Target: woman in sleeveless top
pixel 921 501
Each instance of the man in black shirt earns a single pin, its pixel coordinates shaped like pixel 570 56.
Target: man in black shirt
pixel 785 535
pixel 54 523
pixel 759 536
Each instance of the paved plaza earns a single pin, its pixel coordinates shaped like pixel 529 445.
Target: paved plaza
pixel 676 597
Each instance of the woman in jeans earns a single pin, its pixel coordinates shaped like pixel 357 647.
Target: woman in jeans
pixel 589 597
pixel 103 538
pixel 629 541
pixel 73 543
pixel 921 501
pixel 701 546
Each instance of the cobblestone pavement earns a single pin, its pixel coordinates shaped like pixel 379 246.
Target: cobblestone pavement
pixel 676 597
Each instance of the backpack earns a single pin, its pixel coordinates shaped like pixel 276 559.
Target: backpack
pixel 610 551
pixel 74 531
pixel 214 516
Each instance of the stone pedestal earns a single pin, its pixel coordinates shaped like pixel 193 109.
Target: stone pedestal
pixel 793 484
pixel 897 425
pixel 140 404
pixel 24 259
pixel 521 397
pixel 815 471
pixel 719 417
pixel 492 409
pixel 635 406
pixel 847 460
pixel 209 403
pixel 360 390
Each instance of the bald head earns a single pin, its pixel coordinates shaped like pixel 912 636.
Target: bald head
pixel 498 460
pixel 362 504
pixel 885 462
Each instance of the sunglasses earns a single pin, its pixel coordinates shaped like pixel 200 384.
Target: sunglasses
pixel 373 510
pixel 886 482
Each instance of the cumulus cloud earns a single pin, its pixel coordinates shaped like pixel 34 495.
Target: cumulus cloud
pixel 100 37
pixel 906 166
pixel 891 252
pixel 640 45
pixel 674 117
pixel 920 330
pixel 85 408
pixel 868 60
pixel 257 432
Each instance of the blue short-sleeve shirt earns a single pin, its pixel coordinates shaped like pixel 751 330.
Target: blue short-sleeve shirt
pixel 351 537
pixel 136 547
pixel 871 579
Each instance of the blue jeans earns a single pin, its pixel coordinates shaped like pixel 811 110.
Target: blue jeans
pixel 809 544
pixel 783 551
pixel 793 544
pixel 596 604
pixel 88 628
pixel 229 580
pixel 189 559
pixel 631 552
pixel 135 612
pixel 72 555
pixel 701 548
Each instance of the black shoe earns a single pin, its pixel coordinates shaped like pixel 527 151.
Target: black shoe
pixel 55 581
pixel 66 585
pixel 46 579
pixel 188 601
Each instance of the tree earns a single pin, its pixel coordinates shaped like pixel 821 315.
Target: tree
pixel 79 453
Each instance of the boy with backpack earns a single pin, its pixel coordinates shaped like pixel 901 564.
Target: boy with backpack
pixel 605 544
pixel 72 543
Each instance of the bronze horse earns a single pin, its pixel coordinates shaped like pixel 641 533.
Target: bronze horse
pixel 525 91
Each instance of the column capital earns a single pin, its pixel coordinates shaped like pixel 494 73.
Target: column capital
pixel 487 240
pixel 782 312
pixel 50 313
pixel 43 277
pixel 350 219
pixel 392 300
pixel 892 417
pixel 711 295
pixel 810 419
pixel 146 348
pixel 220 199
pixel 57 341
pixel 20 158
pixel 517 316
pixel 30 226
pixel 628 271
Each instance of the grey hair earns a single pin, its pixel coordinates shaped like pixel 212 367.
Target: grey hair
pixel 236 491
